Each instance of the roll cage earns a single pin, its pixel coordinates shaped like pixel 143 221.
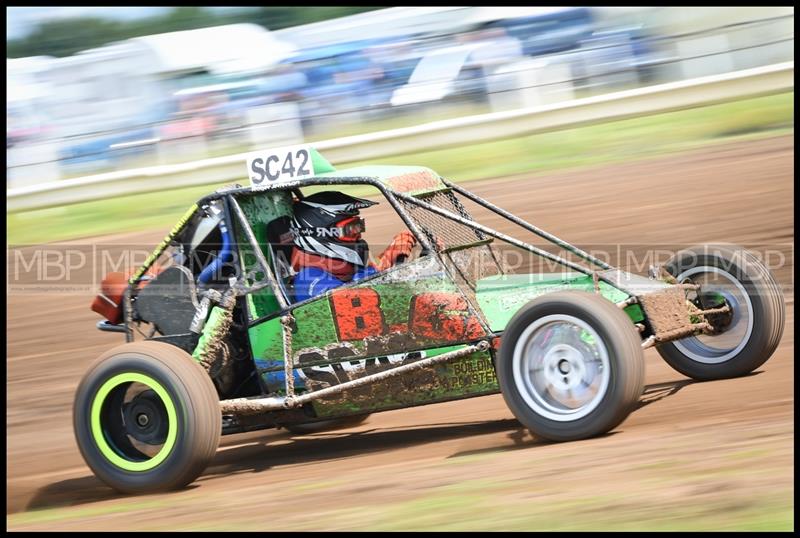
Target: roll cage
pixel 232 208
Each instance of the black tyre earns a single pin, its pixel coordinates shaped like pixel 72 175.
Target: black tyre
pixel 746 337
pixel 146 418
pixel 571 365
pixel 321 426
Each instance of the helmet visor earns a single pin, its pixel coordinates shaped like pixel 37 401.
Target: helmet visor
pixel 351 228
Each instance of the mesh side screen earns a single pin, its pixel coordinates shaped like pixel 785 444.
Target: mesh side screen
pixel 467 265
pixel 443 232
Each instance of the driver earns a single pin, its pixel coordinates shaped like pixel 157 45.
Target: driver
pixel 328 249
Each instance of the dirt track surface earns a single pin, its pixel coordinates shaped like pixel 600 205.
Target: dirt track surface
pixel 715 455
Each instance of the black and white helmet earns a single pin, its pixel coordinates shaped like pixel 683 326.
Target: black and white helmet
pixel 327 224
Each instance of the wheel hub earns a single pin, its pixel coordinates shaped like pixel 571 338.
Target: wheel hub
pixel 731 330
pixel 564 367
pixel 145 418
pixel 717 299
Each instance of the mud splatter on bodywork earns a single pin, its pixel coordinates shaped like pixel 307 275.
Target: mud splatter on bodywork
pixel 467 376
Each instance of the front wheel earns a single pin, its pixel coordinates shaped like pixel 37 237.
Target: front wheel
pixel 746 336
pixel 146 418
pixel 571 366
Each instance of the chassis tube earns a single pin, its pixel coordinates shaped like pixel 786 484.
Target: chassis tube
pixel 164 244
pixel 254 406
pixel 528 226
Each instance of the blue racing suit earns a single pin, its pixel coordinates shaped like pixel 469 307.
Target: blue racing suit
pixel 313 281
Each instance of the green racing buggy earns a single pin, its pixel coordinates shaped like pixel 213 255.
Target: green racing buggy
pixel 225 348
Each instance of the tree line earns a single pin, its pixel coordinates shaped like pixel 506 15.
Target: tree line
pixel 64 37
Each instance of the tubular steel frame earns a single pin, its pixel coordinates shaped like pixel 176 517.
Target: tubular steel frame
pixel 527 225
pixel 250 405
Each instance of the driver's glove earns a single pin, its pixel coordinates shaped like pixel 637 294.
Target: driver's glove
pixel 401 245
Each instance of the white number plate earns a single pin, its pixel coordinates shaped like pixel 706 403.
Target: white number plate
pixel 279 165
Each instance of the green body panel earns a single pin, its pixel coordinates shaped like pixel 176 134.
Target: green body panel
pixel 321 164
pixel 260 210
pixel 393 294
pixel 472 375
pixel 501 296
pixel 314 328
pixel 266 341
pixel 407 319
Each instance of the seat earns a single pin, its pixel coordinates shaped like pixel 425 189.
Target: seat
pixel 169 301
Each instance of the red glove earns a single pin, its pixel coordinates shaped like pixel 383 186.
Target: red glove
pixel 401 246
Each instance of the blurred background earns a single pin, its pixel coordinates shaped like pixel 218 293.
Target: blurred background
pixel 92 90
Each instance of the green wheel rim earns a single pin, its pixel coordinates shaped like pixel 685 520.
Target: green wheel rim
pixel 99 435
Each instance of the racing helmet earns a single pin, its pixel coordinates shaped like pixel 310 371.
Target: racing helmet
pixel 328 224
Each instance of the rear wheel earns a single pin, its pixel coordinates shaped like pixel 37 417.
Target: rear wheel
pixel 746 336
pixel 571 365
pixel 146 418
